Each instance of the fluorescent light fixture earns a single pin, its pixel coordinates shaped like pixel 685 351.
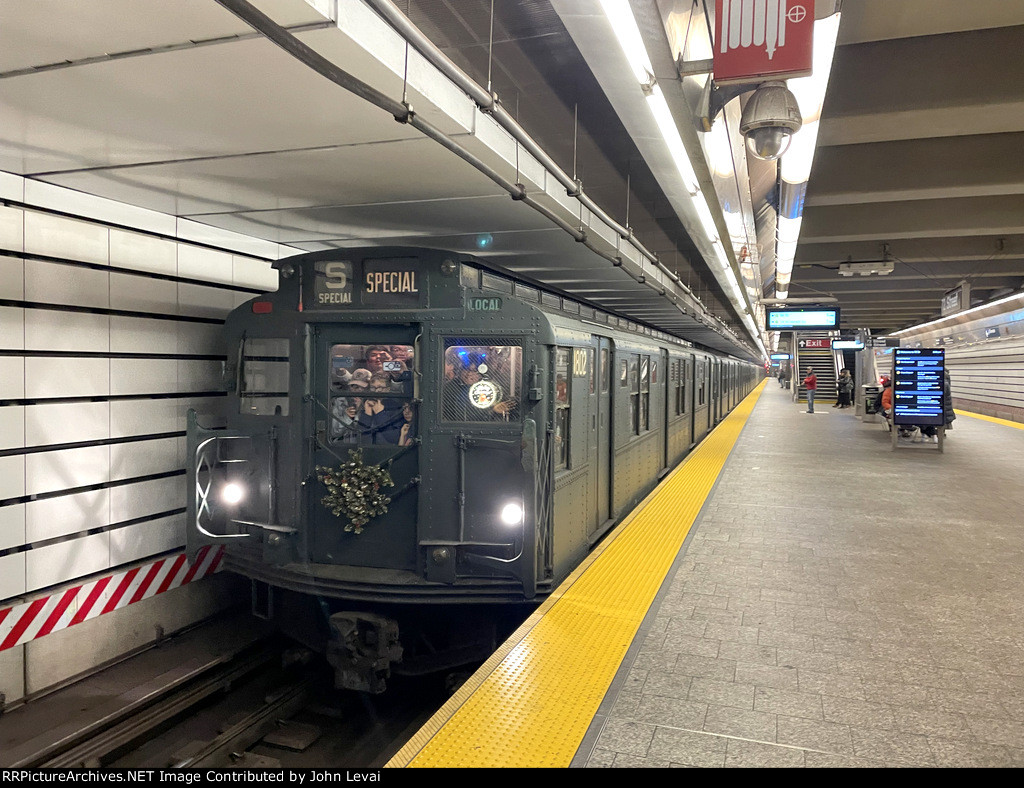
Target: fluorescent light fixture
pixel 795 166
pixel 955 318
pixel 620 15
pixel 669 132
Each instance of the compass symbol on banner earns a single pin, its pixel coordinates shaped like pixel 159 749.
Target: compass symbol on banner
pixel 796 14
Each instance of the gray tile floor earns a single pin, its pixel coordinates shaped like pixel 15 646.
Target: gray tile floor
pixel 837 604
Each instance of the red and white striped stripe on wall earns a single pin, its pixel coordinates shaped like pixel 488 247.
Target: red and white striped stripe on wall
pixel 38 617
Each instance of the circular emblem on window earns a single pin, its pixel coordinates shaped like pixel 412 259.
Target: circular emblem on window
pixel 483 394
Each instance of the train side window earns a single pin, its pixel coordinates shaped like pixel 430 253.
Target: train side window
pixel 684 367
pixel 634 394
pixel 563 381
pixel 606 371
pixel 623 374
pixel 645 393
pixel 591 372
pixel 263 377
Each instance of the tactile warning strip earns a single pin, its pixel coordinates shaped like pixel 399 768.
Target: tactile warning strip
pixel 993 419
pixel 532 702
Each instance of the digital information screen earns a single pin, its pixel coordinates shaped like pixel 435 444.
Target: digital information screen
pixel 779 357
pixel 917 386
pixel 801 319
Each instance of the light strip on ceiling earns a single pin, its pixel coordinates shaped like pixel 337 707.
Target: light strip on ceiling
pixel 955 318
pixel 623 24
pixel 795 165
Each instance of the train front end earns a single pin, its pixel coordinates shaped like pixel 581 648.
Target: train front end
pixel 377 469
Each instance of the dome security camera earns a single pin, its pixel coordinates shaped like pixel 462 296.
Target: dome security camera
pixel 770 118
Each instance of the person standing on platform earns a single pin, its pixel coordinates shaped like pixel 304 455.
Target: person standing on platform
pixel 845 390
pixel 811 384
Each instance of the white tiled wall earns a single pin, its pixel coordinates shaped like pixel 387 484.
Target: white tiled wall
pixel 52 527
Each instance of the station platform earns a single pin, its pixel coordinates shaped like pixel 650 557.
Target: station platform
pixel 795 594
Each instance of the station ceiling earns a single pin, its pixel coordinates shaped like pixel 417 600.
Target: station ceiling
pixel 183 108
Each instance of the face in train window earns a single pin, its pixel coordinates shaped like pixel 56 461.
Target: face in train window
pixel 371 389
pixel 481 383
pixel 384 369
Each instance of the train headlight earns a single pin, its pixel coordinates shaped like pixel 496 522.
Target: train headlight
pixel 512 514
pixel 232 493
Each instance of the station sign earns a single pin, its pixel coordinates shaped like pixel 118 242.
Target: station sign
pixel 814 344
pixel 847 344
pixel 917 386
pixel 801 319
pixel 759 39
pixel 956 300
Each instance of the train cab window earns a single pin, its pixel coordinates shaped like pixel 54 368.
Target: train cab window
pixel 606 371
pixel 371 388
pixel 563 381
pixel 481 383
pixel 263 377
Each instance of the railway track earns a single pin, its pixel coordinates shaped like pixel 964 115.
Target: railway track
pixel 265 704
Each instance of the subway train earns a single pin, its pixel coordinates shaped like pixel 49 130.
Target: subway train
pixel 414 450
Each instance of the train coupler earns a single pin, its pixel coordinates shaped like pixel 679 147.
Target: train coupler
pixel 362 649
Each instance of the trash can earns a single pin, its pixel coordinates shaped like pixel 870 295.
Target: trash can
pixel 870 395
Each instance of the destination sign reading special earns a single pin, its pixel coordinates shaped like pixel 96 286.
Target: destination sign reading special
pixel 391 282
pixel 382 283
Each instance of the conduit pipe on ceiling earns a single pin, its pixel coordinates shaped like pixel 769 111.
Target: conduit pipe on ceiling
pixel 402 113
pixel 488 102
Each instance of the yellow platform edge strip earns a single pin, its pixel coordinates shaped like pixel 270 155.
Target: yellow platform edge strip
pixel 532 702
pixel 1005 422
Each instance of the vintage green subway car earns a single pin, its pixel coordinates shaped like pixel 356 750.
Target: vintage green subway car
pixel 413 450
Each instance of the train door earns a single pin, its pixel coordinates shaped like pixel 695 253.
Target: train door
pixel 716 391
pixel 663 386
pixel 366 402
pixel 600 425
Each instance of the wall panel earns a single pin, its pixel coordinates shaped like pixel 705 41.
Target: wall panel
pixel 12 276
pixel 53 564
pixel 66 422
pixel 12 526
pixel 135 542
pixel 12 328
pixel 57 283
pixel 50 330
pixel 48 518
pixel 47 378
pixel 140 499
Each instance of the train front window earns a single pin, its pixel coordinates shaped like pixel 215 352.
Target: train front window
pixel 263 377
pixel 481 383
pixel 371 388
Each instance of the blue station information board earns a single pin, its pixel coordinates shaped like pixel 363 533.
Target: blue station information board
pixel 917 385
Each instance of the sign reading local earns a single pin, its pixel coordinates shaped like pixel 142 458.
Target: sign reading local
pixel 780 356
pixel 759 39
pixel 801 319
pixel 917 386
